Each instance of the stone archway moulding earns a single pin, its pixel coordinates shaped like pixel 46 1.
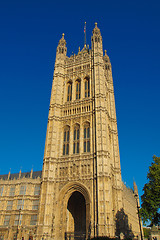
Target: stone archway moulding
pixel 71 187
pixel 61 210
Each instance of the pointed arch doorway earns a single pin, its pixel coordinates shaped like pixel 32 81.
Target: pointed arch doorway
pixel 76 217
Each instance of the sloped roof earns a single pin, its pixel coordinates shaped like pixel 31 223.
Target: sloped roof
pixel 35 175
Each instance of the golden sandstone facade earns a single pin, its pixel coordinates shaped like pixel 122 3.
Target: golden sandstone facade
pixel 79 194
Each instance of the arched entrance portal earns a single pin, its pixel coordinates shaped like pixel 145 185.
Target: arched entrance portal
pixel 76 217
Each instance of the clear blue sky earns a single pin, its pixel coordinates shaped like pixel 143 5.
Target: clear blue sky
pixel 29 34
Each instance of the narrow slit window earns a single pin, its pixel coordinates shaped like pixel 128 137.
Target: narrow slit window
pixel 78 90
pixel 87 88
pixel 66 141
pixel 87 138
pixel 76 138
pixel 69 92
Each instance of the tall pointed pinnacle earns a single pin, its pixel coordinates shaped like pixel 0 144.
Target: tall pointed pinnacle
pixel 106 57
pixel 9 174
pixel 62 40
pixel 135 188
pixel 61 49
pixel 97 39
pixel 107 60
pixel 96 30
pixel 20 174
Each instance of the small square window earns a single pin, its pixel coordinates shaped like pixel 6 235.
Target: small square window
pixel 33 220
pixel 12 191
pixel 37 190
pixel 9 205
pixel 6 220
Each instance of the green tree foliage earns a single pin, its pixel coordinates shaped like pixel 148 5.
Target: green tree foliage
pixel 150 210
pixel 146 232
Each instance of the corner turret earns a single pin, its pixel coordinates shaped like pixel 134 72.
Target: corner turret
pixel 97 39
pixel 107 61
pixel 61 48
pixel 106 57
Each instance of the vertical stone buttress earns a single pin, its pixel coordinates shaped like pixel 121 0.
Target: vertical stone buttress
pixel 109 189
pixel 52 147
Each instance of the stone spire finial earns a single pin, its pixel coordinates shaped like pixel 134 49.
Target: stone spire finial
pixel 31 173
pixel 61 48
pixel 20 174
pixel 135 188
pixel 9 174
pixel 96 30
pixel 106 57
pixel 62 41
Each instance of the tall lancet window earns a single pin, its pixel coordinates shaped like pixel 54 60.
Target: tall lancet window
pixel 76 138
pixel 66 141
pixel 87 137
pixel 69 91
pixel 87 87
pixel 78 89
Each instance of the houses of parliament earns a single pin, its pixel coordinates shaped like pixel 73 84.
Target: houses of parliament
pixel 79 194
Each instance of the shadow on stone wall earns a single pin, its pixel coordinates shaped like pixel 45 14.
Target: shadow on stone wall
pixel 122 225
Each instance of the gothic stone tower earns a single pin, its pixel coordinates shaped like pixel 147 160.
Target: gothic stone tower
pixel 81 180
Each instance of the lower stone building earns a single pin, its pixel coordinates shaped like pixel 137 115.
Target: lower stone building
pixel 19 205
pixel 19 208
pixel 79 194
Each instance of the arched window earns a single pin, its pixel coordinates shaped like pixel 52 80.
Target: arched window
pixel 86 138
pixel 76 138
pixel 69 92
pixel 66 141
pixel 78 89
pixel 87 87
